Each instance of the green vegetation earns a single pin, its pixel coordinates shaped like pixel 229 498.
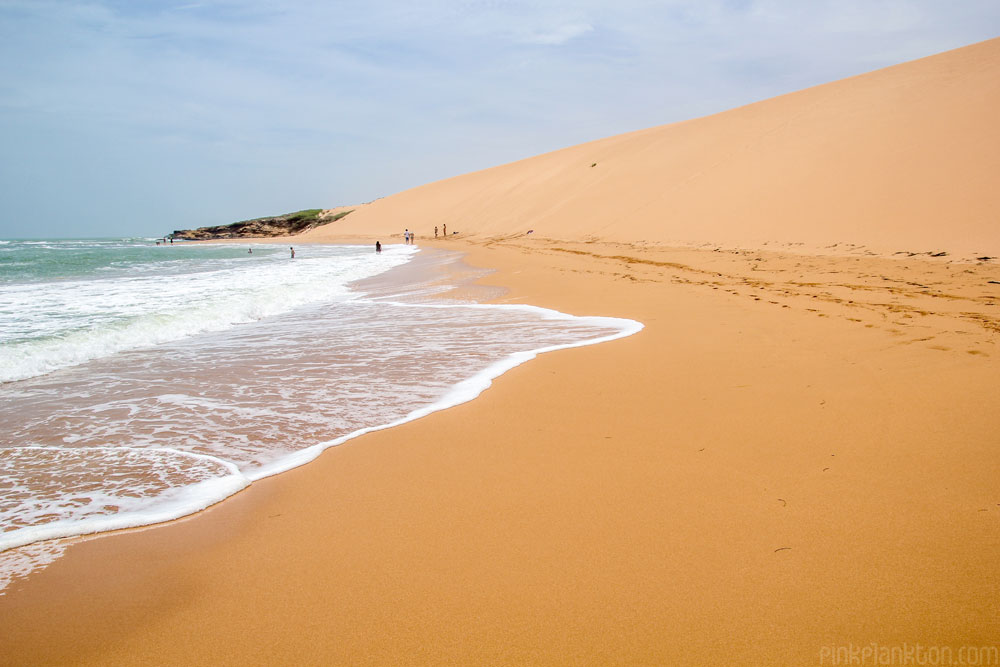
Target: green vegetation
pixel 306 216
pixel 338 216
pixel 306 219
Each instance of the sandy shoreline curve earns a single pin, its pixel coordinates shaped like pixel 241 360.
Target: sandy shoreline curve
pixel 433 280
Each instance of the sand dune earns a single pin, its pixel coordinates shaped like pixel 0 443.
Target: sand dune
pixel 903 158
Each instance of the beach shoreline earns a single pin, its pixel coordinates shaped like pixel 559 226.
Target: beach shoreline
pixel 433 286
pixel 725 485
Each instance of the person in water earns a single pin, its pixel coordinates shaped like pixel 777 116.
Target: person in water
pixel 293 251
pixel 378 247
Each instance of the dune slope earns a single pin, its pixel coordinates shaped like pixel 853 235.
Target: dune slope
pixel 903 158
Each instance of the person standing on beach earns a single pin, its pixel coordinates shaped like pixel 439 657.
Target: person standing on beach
pixel 444 231
pixel 435 231
pixel 406 237
pixel 378 247
pixel 293 251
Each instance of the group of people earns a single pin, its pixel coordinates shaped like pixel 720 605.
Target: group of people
pixel 410 238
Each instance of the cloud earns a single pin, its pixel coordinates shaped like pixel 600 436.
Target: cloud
pixel 560 35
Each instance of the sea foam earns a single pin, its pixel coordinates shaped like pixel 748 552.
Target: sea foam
pixel 52 324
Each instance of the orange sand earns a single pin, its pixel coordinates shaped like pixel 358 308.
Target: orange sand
pixel 799 450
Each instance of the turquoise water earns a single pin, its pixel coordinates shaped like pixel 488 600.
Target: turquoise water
pixel 67 302
pixel 61 259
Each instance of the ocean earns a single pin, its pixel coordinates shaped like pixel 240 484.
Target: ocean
pixel 140 383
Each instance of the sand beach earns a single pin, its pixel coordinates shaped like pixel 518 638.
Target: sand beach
pixel 799 452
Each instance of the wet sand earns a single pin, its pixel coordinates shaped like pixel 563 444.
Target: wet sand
pixel 739 483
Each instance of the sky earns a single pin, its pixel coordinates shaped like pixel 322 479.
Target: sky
pixel 139 117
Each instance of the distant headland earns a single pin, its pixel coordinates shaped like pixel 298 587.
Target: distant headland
pixel 279 225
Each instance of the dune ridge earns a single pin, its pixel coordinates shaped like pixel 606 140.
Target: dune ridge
pixel 899 159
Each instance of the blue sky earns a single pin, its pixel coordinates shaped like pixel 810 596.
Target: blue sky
pixel 139 117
